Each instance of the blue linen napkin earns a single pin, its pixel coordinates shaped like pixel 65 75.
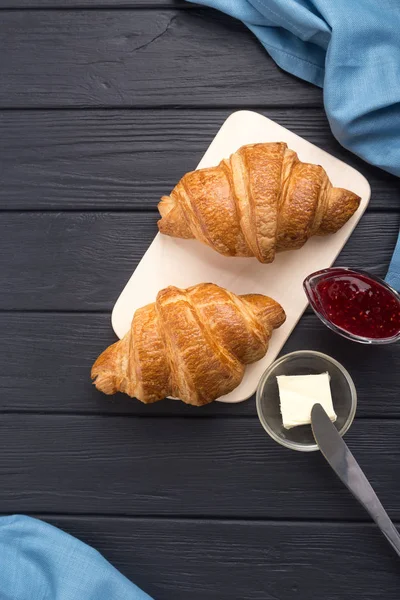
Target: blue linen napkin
pixel 40 562
pixel 351 48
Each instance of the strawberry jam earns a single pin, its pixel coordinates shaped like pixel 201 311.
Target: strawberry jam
pixel 355 303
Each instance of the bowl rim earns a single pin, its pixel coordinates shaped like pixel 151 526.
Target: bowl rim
pixel 267 373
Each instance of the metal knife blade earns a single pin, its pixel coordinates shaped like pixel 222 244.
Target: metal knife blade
pixel 349 471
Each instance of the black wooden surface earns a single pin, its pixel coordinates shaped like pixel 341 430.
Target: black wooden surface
pixel 37 343
pixel 81 261
pixel 57 4
pixel 126 159
pixel 246 560
pixel 121 465
pixel 104 104
pixel 143 57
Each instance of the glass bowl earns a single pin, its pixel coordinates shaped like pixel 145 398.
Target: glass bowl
pixel 304 362
pixel 310 287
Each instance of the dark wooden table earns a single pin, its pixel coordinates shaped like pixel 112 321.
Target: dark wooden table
pixel 104 105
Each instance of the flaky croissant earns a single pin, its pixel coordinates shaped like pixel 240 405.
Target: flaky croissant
pixel 261 200
pixel 190 344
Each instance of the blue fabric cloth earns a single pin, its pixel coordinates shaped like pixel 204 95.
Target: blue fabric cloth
pixel 40 562
pixel 393 274
pixel 351 48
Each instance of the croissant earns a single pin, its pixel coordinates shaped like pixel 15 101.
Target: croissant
pixel 260 201
pixel 190 344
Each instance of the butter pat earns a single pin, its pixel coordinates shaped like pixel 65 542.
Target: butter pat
pixel 299 393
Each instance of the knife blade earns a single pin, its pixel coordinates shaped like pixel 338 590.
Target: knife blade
pixel 342 461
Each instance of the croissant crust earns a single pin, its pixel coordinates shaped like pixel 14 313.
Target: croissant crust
pixel 190 344
pixel 260 201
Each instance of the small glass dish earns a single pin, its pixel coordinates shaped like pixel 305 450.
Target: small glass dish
pixel 304 362
pixel 310 286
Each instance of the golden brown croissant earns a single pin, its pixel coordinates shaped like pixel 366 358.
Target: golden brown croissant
pixel 190 344
pixel 261 200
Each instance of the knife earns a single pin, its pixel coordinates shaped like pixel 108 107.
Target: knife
pixel 349 471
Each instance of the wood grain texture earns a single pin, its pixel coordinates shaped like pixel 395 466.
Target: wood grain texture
pixel 135 58
pixel 45 362
pixel 122 159
pixel 244 560
pixel 63 4
pixel 81 261
pixel 183 467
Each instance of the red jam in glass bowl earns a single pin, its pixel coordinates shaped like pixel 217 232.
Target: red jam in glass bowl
pixel 357 305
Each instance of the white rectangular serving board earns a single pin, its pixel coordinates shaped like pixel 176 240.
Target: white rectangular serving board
pixel 183 263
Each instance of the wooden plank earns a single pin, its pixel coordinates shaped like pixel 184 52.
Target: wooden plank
pixel 139 58
pixel 176 560
pixel 124 159
pixel 45 362
pixel 67 4
pixel 81 261
pixel 183 467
